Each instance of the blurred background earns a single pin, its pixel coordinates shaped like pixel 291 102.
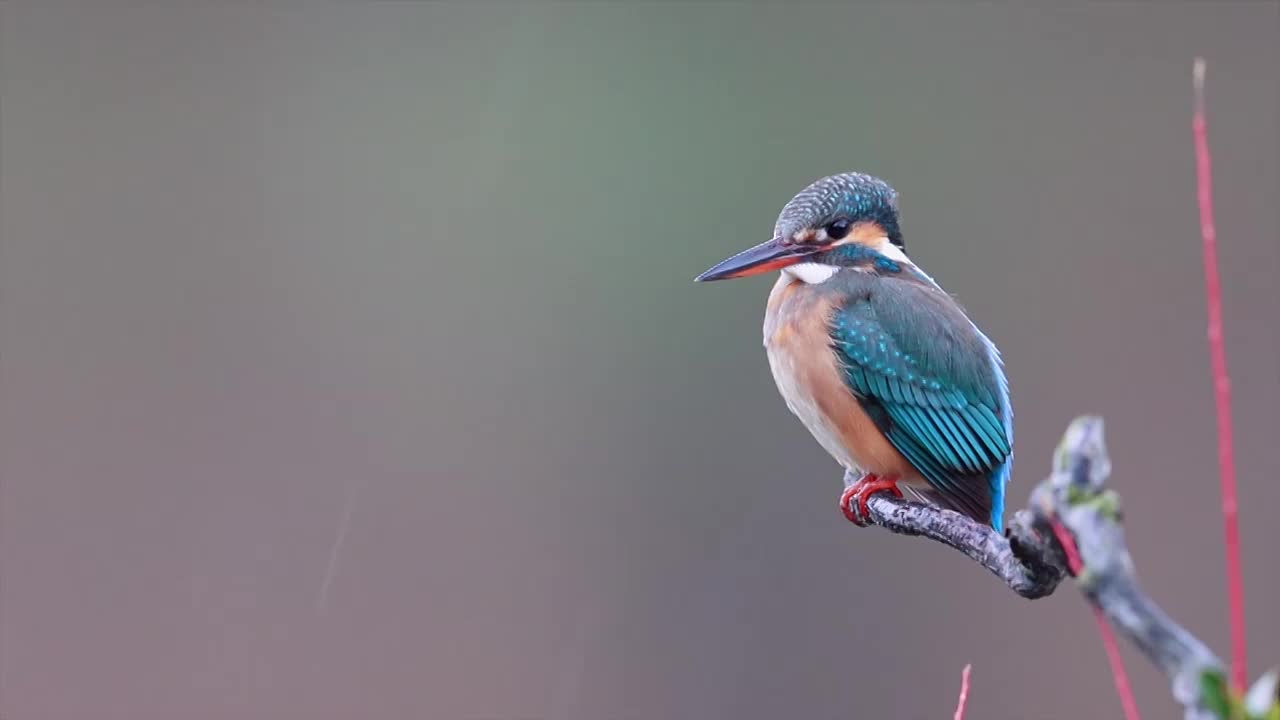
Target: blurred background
pixel 351 364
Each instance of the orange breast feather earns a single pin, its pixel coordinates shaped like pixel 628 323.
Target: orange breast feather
pixel 810 379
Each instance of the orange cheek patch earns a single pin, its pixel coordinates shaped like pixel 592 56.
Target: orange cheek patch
pixel 867 233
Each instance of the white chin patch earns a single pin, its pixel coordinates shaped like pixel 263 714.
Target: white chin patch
pixel 811 273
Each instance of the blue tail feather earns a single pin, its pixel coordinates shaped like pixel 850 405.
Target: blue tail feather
pixel 999 481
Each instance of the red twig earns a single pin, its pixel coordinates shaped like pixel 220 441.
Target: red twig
pixel 964 692
pixel 1118 673
pixel 1221 384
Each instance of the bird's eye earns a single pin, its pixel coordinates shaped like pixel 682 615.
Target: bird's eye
pixel 837 229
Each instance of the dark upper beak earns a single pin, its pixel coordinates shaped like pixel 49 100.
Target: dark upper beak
pixel 771 255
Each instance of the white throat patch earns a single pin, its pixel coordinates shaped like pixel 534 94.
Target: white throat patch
pixel 891 251
pixel 811 273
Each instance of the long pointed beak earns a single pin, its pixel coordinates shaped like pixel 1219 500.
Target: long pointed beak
pixel 771 255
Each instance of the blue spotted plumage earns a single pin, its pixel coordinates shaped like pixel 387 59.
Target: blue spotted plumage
pixel 882 365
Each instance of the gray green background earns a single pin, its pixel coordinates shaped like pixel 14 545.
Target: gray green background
pixel 432 262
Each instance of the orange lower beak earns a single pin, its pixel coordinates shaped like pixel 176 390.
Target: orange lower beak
pixel 771 255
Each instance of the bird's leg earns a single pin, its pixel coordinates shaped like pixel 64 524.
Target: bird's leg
pixel 862 490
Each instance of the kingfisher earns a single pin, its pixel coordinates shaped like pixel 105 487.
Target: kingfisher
pixel 882 366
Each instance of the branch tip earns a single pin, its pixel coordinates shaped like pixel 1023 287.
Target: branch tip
pixel 964 692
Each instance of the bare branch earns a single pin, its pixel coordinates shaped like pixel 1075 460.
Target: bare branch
pixel 1023 560
pixel 1030 560
pixel 1076 496
pixel 1221 382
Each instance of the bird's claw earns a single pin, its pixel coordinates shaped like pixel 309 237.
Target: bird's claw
pixel 861 491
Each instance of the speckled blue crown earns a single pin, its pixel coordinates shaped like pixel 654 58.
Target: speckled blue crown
pixel 853 196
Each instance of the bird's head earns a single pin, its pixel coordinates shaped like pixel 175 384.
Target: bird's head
pixel 847 220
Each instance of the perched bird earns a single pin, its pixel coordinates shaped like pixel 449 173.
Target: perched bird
pixel 881 364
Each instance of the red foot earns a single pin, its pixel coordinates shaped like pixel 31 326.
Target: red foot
pixel 862 491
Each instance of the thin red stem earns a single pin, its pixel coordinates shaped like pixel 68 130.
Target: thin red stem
pixel 964 692
pixel 1221 384
pixel 1118 673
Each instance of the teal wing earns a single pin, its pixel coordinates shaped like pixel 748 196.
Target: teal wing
pixel 933 384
